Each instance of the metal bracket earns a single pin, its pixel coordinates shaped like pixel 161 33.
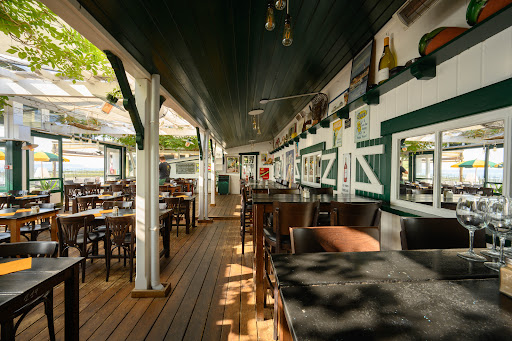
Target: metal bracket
pixel 128 98
pixel 424 70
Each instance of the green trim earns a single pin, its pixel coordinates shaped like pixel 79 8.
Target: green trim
pixel 485 99
pixel 333 173
pixel 13 155
pixel 314 148
pixel 303 135
pixel 312 130
pixel 385 164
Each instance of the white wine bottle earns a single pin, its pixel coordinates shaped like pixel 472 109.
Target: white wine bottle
pixel 386 63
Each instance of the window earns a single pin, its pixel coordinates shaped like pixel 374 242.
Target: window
pixel 435 165
pixel 312 169
pixel 83 161
pixel 44 166
pixel 2 167
pixel 113 163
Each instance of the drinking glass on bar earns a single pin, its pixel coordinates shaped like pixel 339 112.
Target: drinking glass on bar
pixel 471 216
pixel 493 252
pixel 499 220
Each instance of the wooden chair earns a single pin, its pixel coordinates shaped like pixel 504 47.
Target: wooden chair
pixel 85 203
pixel 283 191
pixel 355 214
pixel 323 190
pixel 245 216
pixel 487 191
pixel 436 233
pixel 470 190
pixel 90 189
pixel 120 234
pixel 31 249
pixel 174 189
pixel 71 190
pixel 178 210
pixel 5 237
pixel 76 232
pixel 33 229
pixel 163 188
pixel 116 188
pixel 108 205
pixel 334 239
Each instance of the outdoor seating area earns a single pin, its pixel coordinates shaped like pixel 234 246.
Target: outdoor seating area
pixel 256 170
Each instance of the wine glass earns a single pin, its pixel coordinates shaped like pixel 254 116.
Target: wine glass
pixel 493 252
pixel 499 220
pixel 471 216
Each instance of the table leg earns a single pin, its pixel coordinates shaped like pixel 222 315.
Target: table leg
pixel 54 228
pixel 167 235
pixel 71 316
pixel 74 205
pixel 8 332
pixel 14 228
pixel 258 262
pixel 66 202
pixel 194 212
pixel 187 217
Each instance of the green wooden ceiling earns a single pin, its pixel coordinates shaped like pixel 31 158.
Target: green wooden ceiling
pixel 216 58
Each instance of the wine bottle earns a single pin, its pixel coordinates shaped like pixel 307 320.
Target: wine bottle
pixel 386 63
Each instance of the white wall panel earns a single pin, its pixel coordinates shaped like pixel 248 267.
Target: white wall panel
pixel 469 72
pixel 402 104
pixel 414 94
pixel 447 79
pixel 497 57
pixel 429 92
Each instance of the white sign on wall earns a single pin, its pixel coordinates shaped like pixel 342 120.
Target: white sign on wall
pixel 345 171
pixel 362 124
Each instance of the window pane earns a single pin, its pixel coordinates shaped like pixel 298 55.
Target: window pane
pixel 2 168
pixel 416 169
pixel 113 163
pixel 43 160
pixel 85 161
pixel 472 161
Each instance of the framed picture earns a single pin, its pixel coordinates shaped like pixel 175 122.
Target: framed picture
pixel 360 73
pixel 263 158
pixel 362 128
pixel 290 163
pixel 337 133
pixel 339 102
pixel 232 164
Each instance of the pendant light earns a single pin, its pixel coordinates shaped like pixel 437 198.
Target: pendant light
pixel 280 4
pixel 287 32
pixel 270 24
pixel 259 131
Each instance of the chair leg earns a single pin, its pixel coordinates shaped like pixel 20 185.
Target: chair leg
pixel 8 331
pixel 124 257
pixel 48 309
pixel 177 224
pixel 107 262
pixel 131 264
pixel 83 269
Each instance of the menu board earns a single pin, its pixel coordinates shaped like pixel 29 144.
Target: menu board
pixel 186 168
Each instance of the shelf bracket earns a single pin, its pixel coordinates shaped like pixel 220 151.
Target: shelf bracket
pixel 371 98
pixel 128 98
pixel 325 123
pixel 424 70
pixel 312 130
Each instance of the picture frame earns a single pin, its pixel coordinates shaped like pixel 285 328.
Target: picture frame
pixel 360 74
pixel 232 164
pixel 338 102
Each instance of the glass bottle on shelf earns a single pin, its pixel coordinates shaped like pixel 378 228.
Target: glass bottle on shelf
pixel 386 63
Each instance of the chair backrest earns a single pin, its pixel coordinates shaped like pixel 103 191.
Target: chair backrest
pixel 487 191
pixel 355 214
pixel 294 214
pixel 163 188
pixel 85 203
pixel 173 189
pixel 47 205
pixel 283 191
pixel 17 192
pixel 72 189
pixel 69 228
pixel 29 249
pixel 324 190
pixel 295 185
pixel 118 228
pixel 470 189
pixel 91 188
pixel 334 239
pixel 436 233
pixel 116 188
pixel 173 203
pixel 108 205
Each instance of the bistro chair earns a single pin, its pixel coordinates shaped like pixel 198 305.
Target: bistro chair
pixel 246 215
pixel 323 190
pixel 116 188
pixel 108 205
pixel 436 233
pixel 355 214
pixel 5 237
pixel 85 203
pixel 178 210
pixel 71 190
pixel 31 249
pixel 33 230
pixel 91 189
pixel 283 191
pixel 4 202
pixel 173 189
pixel 334 239
pixel 120 234
pixel 76 232
pixel 324 218
pixel 163 188
pixel 487 191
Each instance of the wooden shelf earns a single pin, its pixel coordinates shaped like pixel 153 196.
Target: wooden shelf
pixel 425 67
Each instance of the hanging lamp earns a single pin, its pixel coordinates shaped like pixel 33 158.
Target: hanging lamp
pixel 270 23
pixel 287 32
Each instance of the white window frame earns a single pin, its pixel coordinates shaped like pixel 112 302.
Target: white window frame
pixel 304 177
pixel 437 129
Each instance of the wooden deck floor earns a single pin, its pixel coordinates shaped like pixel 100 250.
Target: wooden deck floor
pixel 212 296
pixel 226 207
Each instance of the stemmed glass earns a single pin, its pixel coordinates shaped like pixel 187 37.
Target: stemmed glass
pixel 499 220
pixel 471 215
pixel 493 252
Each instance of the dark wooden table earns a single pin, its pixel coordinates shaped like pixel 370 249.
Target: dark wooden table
pixel 16 289
pixel 262 203
pixel 404 295
pixel 190 208
pixel 25 199
pixel 264 186
pixel 165 216
pixel 15 218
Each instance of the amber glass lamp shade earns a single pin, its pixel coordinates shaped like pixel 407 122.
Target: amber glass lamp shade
pixel 280 4
pixel 270 24
pixel 287 33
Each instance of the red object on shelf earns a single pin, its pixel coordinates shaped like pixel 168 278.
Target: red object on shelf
pixel 491 7
pixel 443 37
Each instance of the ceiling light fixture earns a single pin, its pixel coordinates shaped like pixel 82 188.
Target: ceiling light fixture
pixel 280 4
pixel 29 146
pixel 266 100
pixel 288 33
pixel 270 24
pixel 259 131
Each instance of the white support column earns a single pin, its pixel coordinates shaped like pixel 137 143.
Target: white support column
pixel 201 183
pixel 206 158
pixel 143 204
pixel 153 136
pixel 212 188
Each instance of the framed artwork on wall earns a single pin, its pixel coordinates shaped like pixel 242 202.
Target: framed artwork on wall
pixel 362 126
pixel 338 102
pixel 232 164
pixel 360 73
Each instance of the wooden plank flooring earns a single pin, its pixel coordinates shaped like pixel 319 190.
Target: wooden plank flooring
pixel 212 294
pixel 226 207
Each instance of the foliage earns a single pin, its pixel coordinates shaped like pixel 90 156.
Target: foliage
pixel 67 119
pixel 165 141
pixel 43 39
pixel 47 185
